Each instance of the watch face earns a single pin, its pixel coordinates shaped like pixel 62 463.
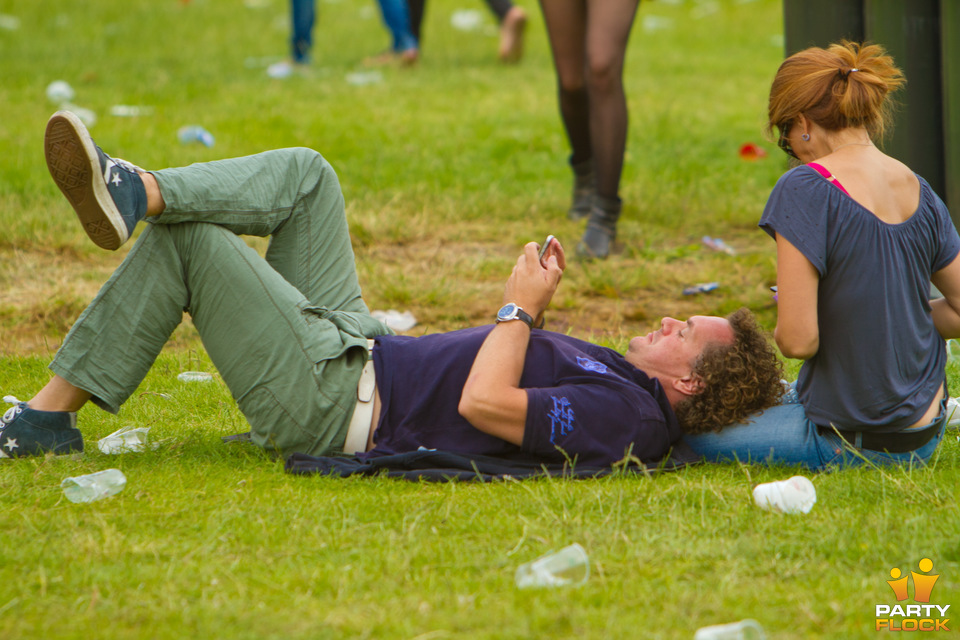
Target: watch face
pixel 507 312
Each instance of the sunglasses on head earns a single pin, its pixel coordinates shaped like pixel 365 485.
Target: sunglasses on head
pixel 783 143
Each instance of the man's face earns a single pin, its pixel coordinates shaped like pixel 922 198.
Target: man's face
pixel 672 350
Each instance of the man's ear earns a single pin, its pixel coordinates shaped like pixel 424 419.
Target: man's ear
pixel 689 385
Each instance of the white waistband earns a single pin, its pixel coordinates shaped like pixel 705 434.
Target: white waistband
pixel 360 424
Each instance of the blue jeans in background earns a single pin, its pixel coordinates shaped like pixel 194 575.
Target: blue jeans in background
pixel 396 15
pixel 303 13
pixel 783 435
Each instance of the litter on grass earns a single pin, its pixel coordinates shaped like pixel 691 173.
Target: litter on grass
pixel 194 376
pixel 126 440
pixel 703 287
pixel 396 320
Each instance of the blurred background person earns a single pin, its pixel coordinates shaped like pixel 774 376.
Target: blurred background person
pixel 404 46
pixel 511 18
pixel 588 39
pixel 303 16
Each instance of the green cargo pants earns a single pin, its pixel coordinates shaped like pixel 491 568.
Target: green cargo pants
pixel 287 333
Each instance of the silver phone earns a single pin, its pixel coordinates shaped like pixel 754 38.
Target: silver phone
pixel 544 246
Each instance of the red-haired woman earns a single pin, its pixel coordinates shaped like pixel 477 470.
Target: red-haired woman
pixel 859 239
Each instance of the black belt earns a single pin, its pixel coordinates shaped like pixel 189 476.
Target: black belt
pixel 895 442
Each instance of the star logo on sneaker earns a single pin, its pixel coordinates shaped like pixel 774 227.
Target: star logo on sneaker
pixel 11 444
pixel 106 172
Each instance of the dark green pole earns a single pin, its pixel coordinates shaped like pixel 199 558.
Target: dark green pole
pixel 818 23
pixel 950 72
pixel 910 32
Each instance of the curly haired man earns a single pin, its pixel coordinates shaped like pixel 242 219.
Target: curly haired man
pixel 289 332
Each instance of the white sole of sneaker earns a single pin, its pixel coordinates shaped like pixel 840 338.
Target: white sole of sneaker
pixel 75 166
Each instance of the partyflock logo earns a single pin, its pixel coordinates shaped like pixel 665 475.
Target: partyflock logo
pixel 921 616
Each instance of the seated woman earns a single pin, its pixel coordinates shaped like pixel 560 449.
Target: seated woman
pixel 859 239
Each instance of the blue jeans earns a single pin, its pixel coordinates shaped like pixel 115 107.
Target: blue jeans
pixel 783 435
pixel 303 13
pixel 396 15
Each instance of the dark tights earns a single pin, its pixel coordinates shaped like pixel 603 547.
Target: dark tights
pixel 589 42
pixel 417 7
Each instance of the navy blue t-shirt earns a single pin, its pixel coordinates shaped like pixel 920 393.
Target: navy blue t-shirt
pixel 881 360
pixel 585 402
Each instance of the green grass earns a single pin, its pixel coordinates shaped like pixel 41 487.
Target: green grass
pixel 447 170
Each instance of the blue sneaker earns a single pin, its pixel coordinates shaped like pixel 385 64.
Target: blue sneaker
pixel 28 432
pixel 107 193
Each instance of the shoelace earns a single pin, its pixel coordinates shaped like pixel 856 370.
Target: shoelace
pixel 126 165
pixel 12 412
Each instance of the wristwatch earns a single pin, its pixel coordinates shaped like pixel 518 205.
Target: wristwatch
pixel 511 311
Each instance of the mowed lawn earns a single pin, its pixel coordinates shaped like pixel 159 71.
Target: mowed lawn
pixel 447 170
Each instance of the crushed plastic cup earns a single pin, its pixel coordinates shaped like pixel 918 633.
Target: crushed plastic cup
pixel 129 111
pixel 194 133
pixel 8 22
pixel 795 495
pixel 953 413
pixel 195 376
pixel 953 350
pixel 280 70
pixel 60 91
pixel 744 630
pixel 396 320
pixel 94 486
pixel 364 78
pixel 125 440
pixel 569 566
pixel 717 244
pixel 466 19
pixel 653 23
pixel 703 287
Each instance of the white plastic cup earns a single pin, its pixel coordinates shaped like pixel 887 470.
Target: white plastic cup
pixel 94 486
pixel 568 566
pixel 953 414
pixel 124 440
pixel 194 376
pixel 60 91
pixel 796 495
pixel 743 630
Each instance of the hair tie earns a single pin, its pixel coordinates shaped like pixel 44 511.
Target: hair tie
pixel 846 74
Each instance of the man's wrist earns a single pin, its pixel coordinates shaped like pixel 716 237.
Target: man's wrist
pixel 512 311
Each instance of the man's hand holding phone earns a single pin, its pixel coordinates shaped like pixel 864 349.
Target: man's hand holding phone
pixel 535 277
pixel 551 247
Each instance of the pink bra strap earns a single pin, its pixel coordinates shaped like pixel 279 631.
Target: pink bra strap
pixel 819 168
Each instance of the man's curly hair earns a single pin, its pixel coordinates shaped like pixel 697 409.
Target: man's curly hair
pixel 738 379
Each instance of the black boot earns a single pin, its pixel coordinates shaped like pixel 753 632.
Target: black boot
pixel 584 189
pixel 601 228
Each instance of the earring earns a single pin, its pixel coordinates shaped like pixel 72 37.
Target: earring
pixel 805 137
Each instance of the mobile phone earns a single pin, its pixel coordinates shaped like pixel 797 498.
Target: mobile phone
pixel 544 246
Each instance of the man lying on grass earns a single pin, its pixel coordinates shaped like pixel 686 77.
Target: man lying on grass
pixel 289 332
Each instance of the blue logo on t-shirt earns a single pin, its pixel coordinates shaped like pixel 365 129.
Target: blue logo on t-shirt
pixel 591 365
pixel 561 417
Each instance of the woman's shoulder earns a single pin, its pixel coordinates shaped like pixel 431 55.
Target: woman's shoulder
pixel 799 177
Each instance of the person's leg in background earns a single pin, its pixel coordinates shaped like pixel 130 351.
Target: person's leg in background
pixel 567 31
pixel 303 13
pixel 511 18
pixel 589 41
pixel 302 18
pixel 608 31
pixel 513 21
pixel 404 46
pixel 417 10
